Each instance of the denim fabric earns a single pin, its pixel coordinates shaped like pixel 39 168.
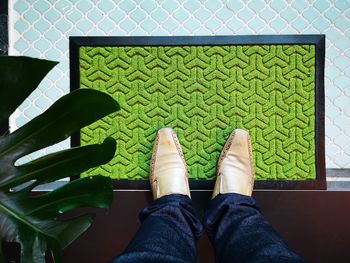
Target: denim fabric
pixel 237 229
pixel 169 233
pixel 240 233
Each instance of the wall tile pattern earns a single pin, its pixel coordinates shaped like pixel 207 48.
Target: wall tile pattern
pixel 41 28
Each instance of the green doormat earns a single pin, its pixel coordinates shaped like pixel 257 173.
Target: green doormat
pixel 203 93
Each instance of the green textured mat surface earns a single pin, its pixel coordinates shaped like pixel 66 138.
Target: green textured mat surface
pixel 204 92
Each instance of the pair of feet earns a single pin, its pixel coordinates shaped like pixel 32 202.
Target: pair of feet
pixel 169 174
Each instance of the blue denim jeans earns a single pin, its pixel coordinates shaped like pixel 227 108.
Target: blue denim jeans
pixel 235 226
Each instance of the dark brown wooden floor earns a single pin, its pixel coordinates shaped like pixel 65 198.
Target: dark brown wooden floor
pixel 315 223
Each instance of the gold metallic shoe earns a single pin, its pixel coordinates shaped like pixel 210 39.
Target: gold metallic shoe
pixel 168 167
pixel 235 170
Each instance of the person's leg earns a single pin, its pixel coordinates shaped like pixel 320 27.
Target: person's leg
pixel 240 233
pixel 237 229
pixel 169 232
pixel 170 228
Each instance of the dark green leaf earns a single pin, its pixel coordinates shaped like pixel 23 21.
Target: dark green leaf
pixel 17 82
pixel 34 220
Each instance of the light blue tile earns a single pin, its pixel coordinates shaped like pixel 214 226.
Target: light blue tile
pixel 138 31
pixel 53 93
pixel 257 5
pixel 342 82
pixel 321 5
pixel 149 25
pixel 246 15
pixel 107 25
pixel 342 140
pixel 332 14
pixel 84 26
pixel 332 34
pixel 289 30
pixel 32 112
pixel 63 6
pixel 300 24
pixel 170 25
pixel 42 25
pixel 63 25
pixel 332 148
pixel 21 45
pixel 117 15
pixel 342 4
pixel 342 23
pixel 224 31
pixel 310 14
pixel 347 73
pixel 159 15
pixel 256 24
pixel 213 5
pixel 41 6
pixel 342 43
pixel 192 25
pixel 333 131
pixel 202 31
pixel 95 16
pixel 332 93
pixel 289 14
pixel 128 25
pixel 84 6
pixel 192 5
pixel 94 31
pixel 42 103
pixel 53 54
pixel 202 14
pixel 31 35
pixel 347 13
pixel 180 31
pixel 74 32
pixel 149 6
pixel 74 17
pixel 31 16
pixel 42 45
pixel 224 14
pixel 300 5
pixel 342 62
pixel 234 5
pixel 181 15
pixel 213 24
pixel 21 25
pixel 138 15
pixel 347 151
pixel 160 32
pixel 268 14
pixel 278 5
pixel 21 120
pixel 332 72
pixel 53 34
pixel 62 45
pixel 321 24
pixel 235 25
pixel 170 5
pixel 278 24
pixel 342 102
pixel 52 15
pixel 106 6
pixel 332 53
pixel 21 6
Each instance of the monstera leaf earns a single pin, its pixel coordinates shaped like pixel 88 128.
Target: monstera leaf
pixel 34 220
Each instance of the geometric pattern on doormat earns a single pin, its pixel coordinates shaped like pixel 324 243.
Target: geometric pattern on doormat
pixel 204 92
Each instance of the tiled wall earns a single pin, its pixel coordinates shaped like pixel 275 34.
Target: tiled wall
pixel 41 28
